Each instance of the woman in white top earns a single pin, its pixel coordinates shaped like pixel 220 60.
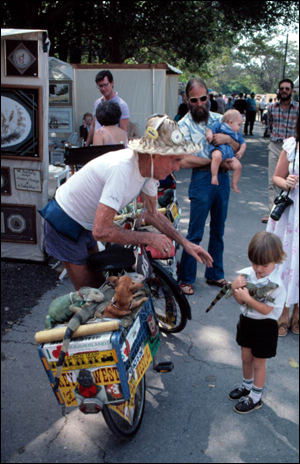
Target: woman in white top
pixel 108 114
pixel 287 228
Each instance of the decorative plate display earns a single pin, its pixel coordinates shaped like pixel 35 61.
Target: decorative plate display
pixel 21 58
pixel 21 122
pixel 18 223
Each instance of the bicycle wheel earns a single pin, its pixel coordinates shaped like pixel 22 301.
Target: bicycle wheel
pixel 120 426
pixel 171 306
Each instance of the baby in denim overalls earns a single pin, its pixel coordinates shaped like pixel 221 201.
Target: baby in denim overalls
pixel 230 125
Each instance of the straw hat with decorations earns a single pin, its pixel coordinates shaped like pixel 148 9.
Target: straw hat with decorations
pixel 163 137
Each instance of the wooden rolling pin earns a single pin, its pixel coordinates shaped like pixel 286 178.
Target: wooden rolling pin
pixel 56 335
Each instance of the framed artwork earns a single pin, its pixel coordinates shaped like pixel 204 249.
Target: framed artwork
pixel 61 120
pixel 28 179
pixel 5 181
pixel 18 223
pixel 60 93
pixel 21 58
pixel 21 122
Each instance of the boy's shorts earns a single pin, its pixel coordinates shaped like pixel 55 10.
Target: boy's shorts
pixel 65 249
pixel 259 335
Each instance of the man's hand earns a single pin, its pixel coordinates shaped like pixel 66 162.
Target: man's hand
pixel 161 243
pixel 199 254
pixel 209 135
pixel 221 139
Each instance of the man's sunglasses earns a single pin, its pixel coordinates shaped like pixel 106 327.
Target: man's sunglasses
pixel 285 88
pixel 195 99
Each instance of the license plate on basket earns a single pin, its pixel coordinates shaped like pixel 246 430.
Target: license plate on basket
pixel 173 212
pixel 94 354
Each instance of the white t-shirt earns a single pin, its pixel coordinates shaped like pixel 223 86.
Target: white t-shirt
pixel 123 105
pixel 279 294
pixel 113 179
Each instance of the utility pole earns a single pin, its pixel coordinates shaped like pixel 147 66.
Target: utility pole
pixel 285 56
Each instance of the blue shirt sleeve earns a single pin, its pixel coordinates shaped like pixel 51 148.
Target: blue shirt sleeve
pixel 240 138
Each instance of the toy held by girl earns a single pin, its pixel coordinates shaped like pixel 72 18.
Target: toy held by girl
pixel 230 125
pixel 257 330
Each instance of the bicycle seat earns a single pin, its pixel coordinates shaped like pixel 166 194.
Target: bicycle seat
pixel 115 258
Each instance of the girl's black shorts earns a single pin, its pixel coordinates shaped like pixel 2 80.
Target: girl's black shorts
pixel 260 335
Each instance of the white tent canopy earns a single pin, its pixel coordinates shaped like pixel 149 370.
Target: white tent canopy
pixel 9 32
pixel 59 70
pixel 146 88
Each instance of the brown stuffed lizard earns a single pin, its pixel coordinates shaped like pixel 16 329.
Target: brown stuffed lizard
pixel 124 300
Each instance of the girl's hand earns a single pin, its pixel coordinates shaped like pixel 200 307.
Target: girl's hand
pixel 242 294
pixel 292 181
pixel 239 282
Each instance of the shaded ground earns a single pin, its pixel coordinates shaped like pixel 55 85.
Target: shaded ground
pixel 22 285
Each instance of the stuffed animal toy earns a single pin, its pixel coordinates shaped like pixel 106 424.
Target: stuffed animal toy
pixel 63 308
pixel 124 300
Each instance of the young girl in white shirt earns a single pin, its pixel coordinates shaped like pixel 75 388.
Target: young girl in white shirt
pixel 257 330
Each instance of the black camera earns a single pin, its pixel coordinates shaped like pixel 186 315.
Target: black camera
pixel 281 203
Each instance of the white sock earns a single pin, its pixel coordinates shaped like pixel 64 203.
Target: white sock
pixel 248 384
pixel 256 394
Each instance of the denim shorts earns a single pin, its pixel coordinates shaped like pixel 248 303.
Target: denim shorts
pixel 65 249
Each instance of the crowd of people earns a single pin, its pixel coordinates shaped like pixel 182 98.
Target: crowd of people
pixel 208 139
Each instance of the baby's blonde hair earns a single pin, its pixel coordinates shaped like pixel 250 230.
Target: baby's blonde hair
pixel 266 248
pixel 231 115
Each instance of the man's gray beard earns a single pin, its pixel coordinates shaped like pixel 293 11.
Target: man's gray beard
pixel 199 117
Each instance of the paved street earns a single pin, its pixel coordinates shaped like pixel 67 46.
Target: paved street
pixel 188 416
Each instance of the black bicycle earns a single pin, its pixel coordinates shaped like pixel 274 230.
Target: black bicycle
pixel 170 304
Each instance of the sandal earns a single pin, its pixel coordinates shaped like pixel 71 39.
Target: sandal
pixel 295 326
pixel 283 329
pixel 187 288
pixel 219 283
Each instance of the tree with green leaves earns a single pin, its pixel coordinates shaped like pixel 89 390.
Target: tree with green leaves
pixel 255 65
pixel 189 32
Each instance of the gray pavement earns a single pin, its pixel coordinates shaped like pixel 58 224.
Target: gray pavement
pixel 188 416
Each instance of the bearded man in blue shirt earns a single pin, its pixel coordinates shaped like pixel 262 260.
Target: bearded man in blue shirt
pixel 205 198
